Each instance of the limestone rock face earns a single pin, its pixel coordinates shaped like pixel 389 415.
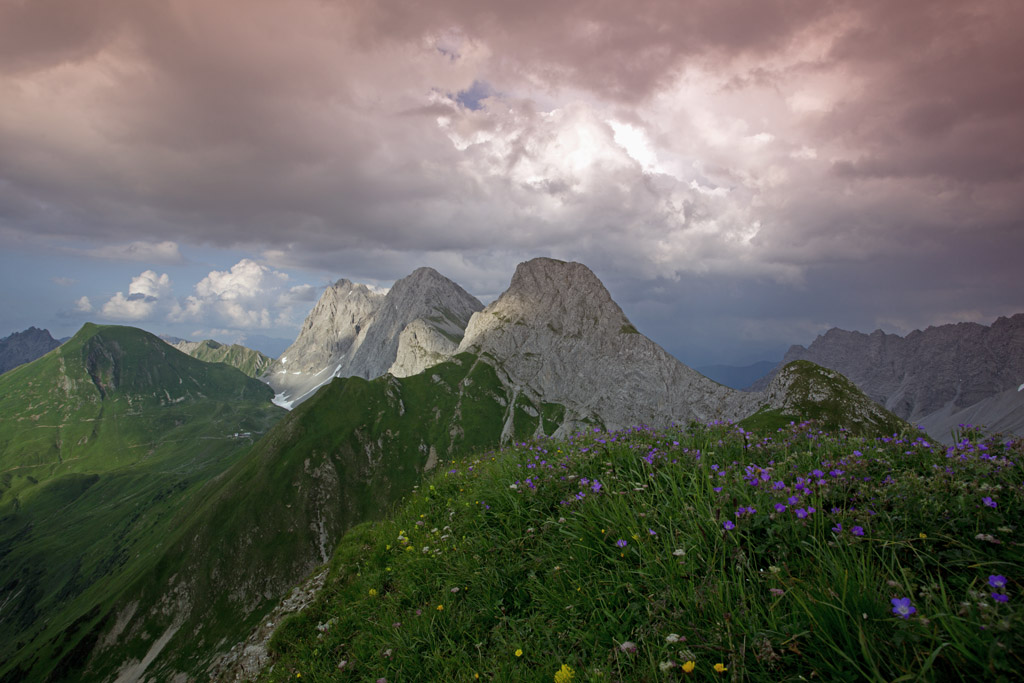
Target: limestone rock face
pixel 354 331
pixel 930 375
pixel 421 345
pixel 332 332
pixel 426 296
pixel 557 335
pixel 24 347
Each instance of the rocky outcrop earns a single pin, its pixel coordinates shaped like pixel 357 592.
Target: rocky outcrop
pixel 804 390
pixel 556 334
pixel 940 371
pixel 420 346
pixel 24 347
pixel 354 331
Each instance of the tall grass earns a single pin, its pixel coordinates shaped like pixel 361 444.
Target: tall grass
pixel 696 553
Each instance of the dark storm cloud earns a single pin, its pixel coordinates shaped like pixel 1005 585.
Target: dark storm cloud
pixel 787 146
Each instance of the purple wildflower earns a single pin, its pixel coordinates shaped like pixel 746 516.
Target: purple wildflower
pixel 987 500
pixel 728 524
pixel 857 531
pixel 621 543
pixel 902 607
pixel 997 581
pixel 780 507
pixel 838 528
pixel 1000 597
pixel 801 513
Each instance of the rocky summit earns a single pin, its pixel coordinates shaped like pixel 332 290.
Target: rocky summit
pixel 25 347
pixel 557 334
pixel 354 331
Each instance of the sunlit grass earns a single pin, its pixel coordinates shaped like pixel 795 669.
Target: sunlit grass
pixel 698 553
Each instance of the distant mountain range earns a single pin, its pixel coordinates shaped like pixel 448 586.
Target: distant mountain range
pixel 939 377
pixel 251 362
pixel 24 347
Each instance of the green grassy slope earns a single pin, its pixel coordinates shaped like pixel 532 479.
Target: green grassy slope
pixel 251 362
pixel 346 455
pixel 102 442
pixel 683 554
pixel 828 398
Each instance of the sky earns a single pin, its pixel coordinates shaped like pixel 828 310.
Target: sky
pixel 741 175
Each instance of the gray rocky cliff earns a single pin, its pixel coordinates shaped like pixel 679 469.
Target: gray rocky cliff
pixel 356 332
pixel 928 374
pixel 425 296
pixel 556 334
pixel 331 334
pixel 421 345
pixel 24 347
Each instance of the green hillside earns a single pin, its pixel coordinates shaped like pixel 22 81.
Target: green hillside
pixel 812 392
pixel 251 362
pixel 345 456
pixel 683 554
pixel 103 442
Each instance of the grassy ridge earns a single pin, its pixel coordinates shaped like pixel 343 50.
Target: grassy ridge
pixel 644 555
pixel 347 455
pixel 103 442
pixel 249 361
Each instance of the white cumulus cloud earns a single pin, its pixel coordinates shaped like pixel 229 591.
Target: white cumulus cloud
pixel 147 294
pixel 242 297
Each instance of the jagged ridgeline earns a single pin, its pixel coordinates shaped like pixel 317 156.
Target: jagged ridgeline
pixel 250 361
pixel 103 441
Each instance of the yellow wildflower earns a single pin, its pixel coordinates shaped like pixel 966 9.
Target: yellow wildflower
pixel 564 675
pixel 688 666
pixel 440 608
pixel 519 652
pixel 721 668
pixel 373 592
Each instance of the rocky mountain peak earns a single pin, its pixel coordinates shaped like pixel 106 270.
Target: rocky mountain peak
pixel 551 296
pixel 356 331
pixel 25 347
pixel 556 333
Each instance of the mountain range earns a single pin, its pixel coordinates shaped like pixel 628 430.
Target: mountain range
pixel 939 377
pixel 196 505
pixel 354 331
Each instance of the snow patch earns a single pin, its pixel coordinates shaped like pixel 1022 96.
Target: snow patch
pixel 282 401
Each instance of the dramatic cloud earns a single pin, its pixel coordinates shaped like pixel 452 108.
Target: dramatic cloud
pixel 239 298
pixel 803 148
pixel 145 293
